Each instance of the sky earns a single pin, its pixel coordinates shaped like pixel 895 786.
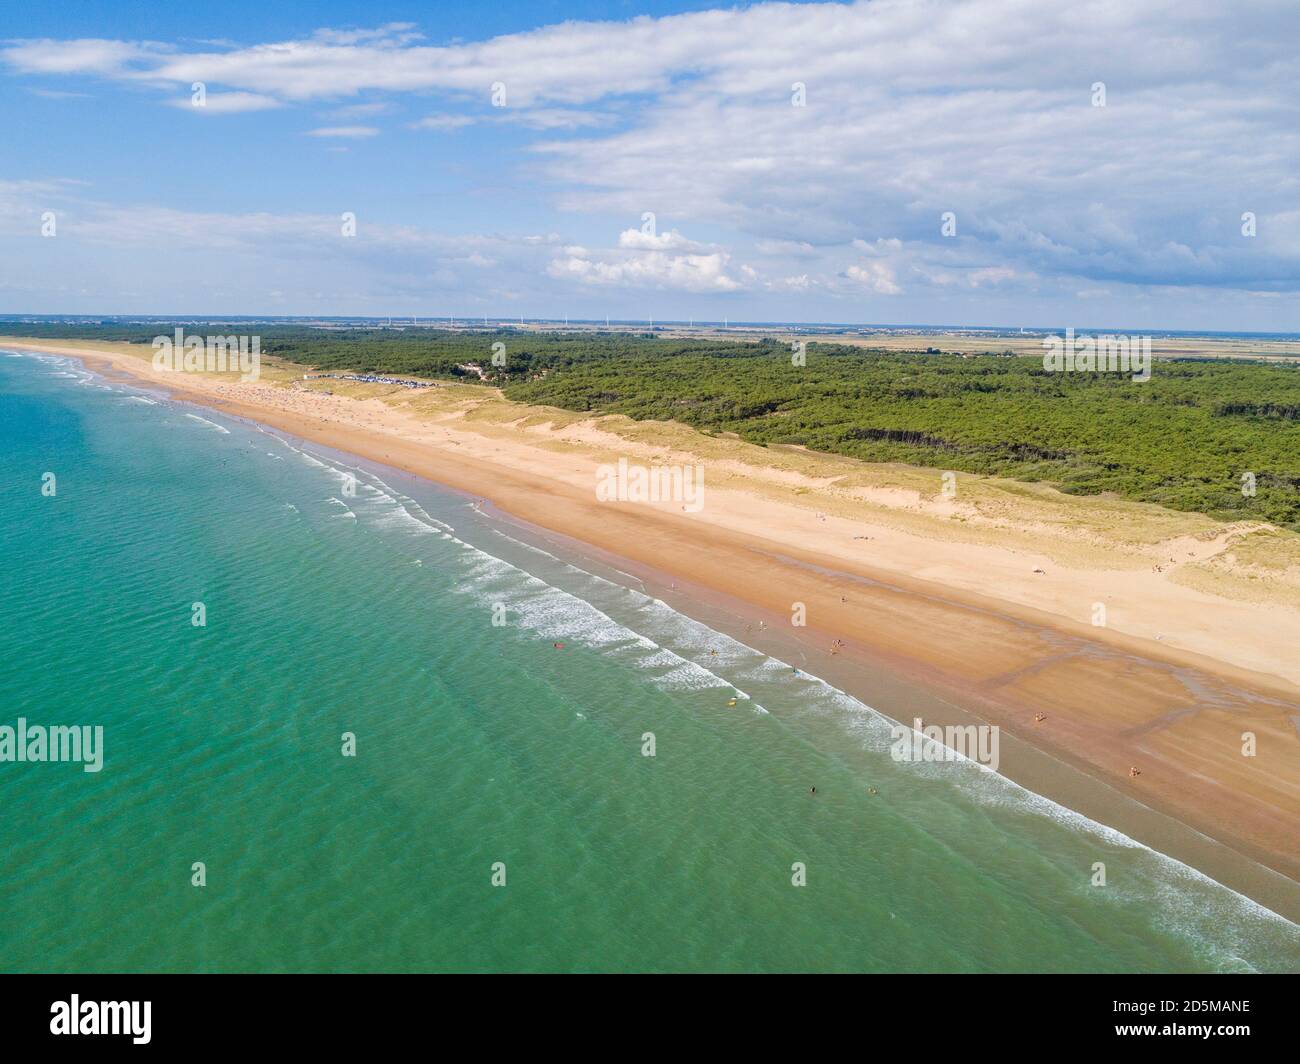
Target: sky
pixel 970 162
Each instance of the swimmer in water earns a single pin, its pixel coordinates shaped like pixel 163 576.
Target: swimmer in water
pixel 813 791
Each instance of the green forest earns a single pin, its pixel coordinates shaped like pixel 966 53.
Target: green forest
pixel 1183 439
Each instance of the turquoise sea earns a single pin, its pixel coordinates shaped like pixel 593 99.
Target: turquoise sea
pixel 477 745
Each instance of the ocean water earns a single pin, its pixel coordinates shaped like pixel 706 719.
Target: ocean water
pixel 478 744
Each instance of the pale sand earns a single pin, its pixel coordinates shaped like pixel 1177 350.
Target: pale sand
pixel 943 591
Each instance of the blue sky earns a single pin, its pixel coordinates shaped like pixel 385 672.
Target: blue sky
pixel 768 203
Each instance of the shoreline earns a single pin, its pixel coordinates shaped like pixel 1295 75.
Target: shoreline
pixel 1044 773
pixel 983 658
pixel 1036 771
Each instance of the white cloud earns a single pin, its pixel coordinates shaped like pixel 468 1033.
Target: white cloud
pixel 647 260
pixel 391 33
pixel 799 283
pixel 225 103
pixel 82 56
pixel 786 249
pixel 55 94
pixel 443 123
pixel 555 118
pixel 539 118
pixel 914 108
pixel 881 246
pixel 667 261
pixel 991 275
pixel 669 241
pixel 684 273
pixel 877 277
pixel 343 131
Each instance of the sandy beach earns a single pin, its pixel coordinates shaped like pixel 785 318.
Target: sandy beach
pixel 987 599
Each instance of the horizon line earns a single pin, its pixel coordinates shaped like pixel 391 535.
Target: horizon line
pixel 455 321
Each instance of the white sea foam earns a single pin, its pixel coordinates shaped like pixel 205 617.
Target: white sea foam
pixel 348 512
pixel 547 612
pixel 210 424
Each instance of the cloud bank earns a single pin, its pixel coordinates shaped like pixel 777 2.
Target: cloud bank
pixel 895 148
